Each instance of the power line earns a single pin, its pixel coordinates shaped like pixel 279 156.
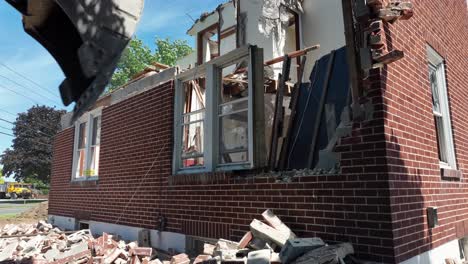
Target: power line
pixel 27 88
pixel 40 123
pixel 30 129
pixel 6 134
pixel 5 128
pixel 13 91
pixel 8 112
pixel 28 79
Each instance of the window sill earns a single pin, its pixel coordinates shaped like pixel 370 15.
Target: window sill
pixel 450 174
pixel 85 182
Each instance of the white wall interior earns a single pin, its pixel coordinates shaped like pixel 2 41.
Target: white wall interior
pixel 437 255
pixel 322 23
pixel 229 16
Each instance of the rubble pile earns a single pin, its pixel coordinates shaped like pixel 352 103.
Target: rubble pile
pixel 42 243
pixel 271 241
pixel 268 241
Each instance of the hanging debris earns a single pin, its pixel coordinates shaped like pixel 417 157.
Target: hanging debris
pixel 275 18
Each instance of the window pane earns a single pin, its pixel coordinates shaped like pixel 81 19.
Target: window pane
pixel 194 117
pixel 235 82
pixel 194 95
pixel 96 131
pixel 192 123
pixel 94 166
pixel 192 142
pixel 80 165
pixel 441 138
pixel 234 138
pixel 435 90
pixel 234 106
pixel 82 136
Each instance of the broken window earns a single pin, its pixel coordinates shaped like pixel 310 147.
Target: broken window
pixel 208 44
pixel 233 114
pixel 215 126
pixel 87 146
pixel 192 123
pixel 440 110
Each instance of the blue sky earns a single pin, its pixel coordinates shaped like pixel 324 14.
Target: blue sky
pixel 18 51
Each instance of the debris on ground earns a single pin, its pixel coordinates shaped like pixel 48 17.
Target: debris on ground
pixel 31 216
pixel 272 241
pixel 268 241
pixel 42 243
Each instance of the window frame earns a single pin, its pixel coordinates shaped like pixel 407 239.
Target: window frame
pixel 88 118
pixel 212 71
pixel 436 63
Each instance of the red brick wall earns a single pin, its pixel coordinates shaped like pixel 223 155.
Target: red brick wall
pixel 353 206
pixel 415 177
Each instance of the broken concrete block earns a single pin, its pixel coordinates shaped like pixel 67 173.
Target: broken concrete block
pixel 259 257
pixel 208 249
pixel 12 230
pixel 52 254
pixel 328 254
pixel 180 259
pixel 257 244
pixel 42 225
pixel 245 240
pixel 268 233
pixel 7 252
pixel 275 258
pixel 224 244
pixel 155 261
pixel 295 248
pixel 201 258
pixel 226 254
pixel 275 222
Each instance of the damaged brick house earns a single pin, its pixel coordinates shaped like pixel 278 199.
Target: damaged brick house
pixel 357 143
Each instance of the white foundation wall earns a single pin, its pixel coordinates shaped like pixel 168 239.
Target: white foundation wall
pixel 64 223
pixel 322 23
pixel 159 240
pixel 437 255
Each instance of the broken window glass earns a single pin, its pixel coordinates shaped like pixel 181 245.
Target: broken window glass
pixel 193 122
pixel 81 151
pixel 95 147
pixel 88 140
pixel 233 115
pixel 438 117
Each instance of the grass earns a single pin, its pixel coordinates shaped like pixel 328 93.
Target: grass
pixel 8 216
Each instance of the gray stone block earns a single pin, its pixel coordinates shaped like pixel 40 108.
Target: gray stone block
pixel 295 248
pixel 259 257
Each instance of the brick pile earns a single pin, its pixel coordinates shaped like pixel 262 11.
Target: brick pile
pixel 41 243
pixel 268 241
pixel 271 241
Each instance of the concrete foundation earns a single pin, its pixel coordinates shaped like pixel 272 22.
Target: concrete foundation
pixel 159 240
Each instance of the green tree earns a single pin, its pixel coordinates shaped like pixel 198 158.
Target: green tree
pixel 31 152
pixel 168 52
pixel 2 180
pixel 138 56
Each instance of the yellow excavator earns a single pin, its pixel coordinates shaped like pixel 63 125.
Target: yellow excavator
pixel 15 190
pixel 86 38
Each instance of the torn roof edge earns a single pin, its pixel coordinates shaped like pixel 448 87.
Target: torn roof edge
pixel 206 15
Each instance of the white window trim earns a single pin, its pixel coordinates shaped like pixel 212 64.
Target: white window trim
pixel 88 118
pixel 437 62
pixel 211 71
